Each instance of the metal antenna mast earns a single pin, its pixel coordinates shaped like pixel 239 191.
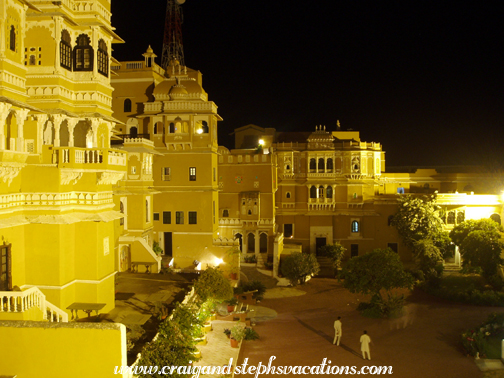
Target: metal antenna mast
pixel 173 48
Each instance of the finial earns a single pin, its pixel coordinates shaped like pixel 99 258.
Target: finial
pixel 338 125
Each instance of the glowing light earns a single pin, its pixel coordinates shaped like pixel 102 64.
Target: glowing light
pixel 198 267
pixel 261 142
pixel 171 263
pixel 199 131
pixel 218 261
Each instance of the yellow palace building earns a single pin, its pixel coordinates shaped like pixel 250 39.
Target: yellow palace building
pixel 57 211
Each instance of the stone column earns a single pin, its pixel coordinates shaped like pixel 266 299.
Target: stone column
pixel 71 123
pixel 95 122
pixel 57 120
pixel 4 113
pixel 20 119
pixel 110 127
pixel 41 120
pixel 94 43
pixel 57 31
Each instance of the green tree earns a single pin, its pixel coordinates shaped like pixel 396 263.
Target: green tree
pixel 483 249
pixel 212 284
pixel 462 230
pixel 376 271
pixel 173 347
pixel 418 218
pixel 427 257
pixel 333 251
pixel 297 266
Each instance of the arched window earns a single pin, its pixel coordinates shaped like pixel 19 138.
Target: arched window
pixel 329 192
pixel 329 164
pixel 12 42
pixel 313 164
pixel 102 57
pixel 127 105
pixel 33 60
pixel 204 127
pixel 172 128
pixel 251 242
pixel 355 226
pixel 288 195
pixel 313 192
pixel 321 191
pixel 321 164
pixel 451 217
pixel 158 128
pixel 133 132
pixel 66 50
pixel 461 216
pixel 83 54
pixel 225 213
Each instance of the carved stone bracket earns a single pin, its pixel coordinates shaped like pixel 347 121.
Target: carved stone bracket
pixel 107 178
pixel 69 176
pixel 9 172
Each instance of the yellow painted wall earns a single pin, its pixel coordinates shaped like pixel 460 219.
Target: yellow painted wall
pixel 61 350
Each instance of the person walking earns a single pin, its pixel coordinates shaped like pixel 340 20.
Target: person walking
pixel 337 331
pixel 365 340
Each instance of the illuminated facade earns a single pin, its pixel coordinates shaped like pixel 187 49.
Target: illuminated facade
pixel 172 110
pixel 58 216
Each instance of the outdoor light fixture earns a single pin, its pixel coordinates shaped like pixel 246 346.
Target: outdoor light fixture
pixel 196 263
pixel 218 261
pixel 261 142
pixel 199 131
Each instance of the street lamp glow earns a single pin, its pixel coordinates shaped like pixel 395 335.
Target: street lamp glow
pixel 261 142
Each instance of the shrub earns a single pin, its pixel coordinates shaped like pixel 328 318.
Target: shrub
pixel 255 285
pixel 476 340
pixel 333 251
pixel 297 266
pixel 156 248
pixel 250 334
pixel 250 259
pixel 238 332
pixel 370 310
pixel 213 285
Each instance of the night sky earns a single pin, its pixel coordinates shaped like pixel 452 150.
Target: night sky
pixel 423 78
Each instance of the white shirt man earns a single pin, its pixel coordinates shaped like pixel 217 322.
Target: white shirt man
pixel 337 331
pixel 365 340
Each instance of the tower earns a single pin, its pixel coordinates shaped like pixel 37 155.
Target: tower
pixel 173 48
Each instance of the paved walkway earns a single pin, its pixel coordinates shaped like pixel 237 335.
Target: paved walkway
pixel 425 343
pixel 252 274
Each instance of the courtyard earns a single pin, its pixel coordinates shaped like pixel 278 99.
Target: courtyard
pixel 425 342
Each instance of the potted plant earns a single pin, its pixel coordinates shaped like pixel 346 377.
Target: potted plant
pixel 227 332
pixel 231 303
pixel 237 335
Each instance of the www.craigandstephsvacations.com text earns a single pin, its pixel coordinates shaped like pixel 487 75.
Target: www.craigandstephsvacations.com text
pixel 324 368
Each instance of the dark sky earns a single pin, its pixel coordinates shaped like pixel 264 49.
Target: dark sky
pixel 424 78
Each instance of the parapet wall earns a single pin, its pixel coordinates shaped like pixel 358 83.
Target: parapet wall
pixel 61 350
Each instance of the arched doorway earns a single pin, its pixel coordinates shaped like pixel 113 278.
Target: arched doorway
pixel 240 240
pixel 263 243
pixel 251 243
